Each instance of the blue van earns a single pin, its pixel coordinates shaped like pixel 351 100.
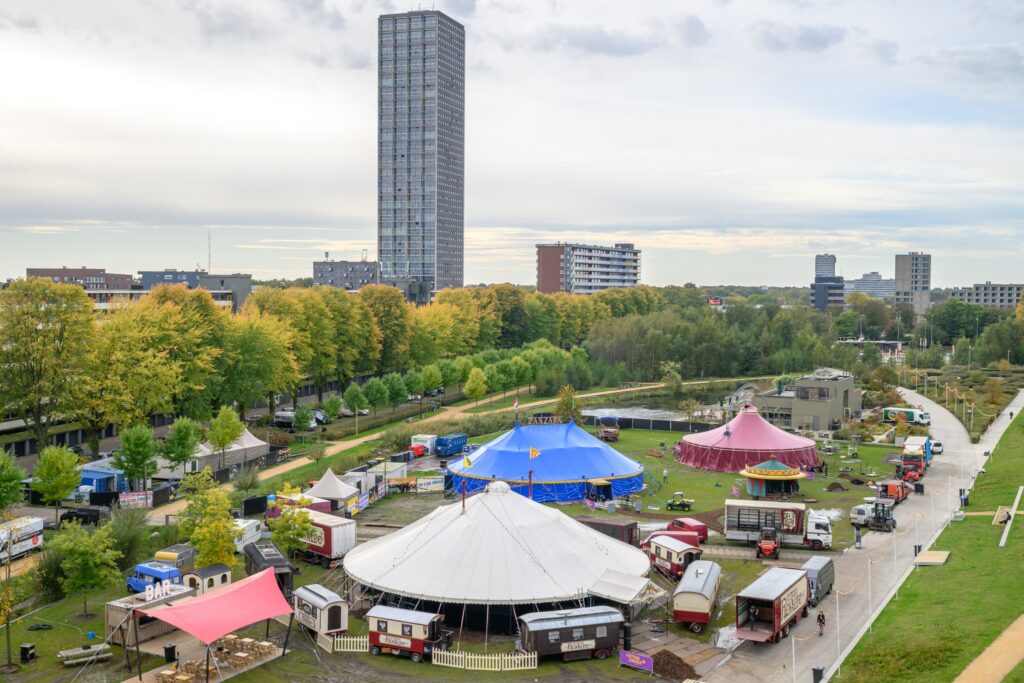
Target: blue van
pixel 150 573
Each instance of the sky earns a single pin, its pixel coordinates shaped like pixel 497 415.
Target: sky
pixel 731 140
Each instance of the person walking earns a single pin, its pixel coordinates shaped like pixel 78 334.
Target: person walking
pixel 821 624
pixel 664 475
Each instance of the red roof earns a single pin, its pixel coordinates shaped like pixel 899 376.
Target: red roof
pixel 226 609
pixel 747 439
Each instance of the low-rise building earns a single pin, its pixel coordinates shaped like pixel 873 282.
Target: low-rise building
pixel 88 278
pixel 586 268
pixel 350 275
pixel 233 288
pixel 872 284
pixel 820 401
pixel 988 294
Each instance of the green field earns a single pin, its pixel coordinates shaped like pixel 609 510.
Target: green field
pixel 946 616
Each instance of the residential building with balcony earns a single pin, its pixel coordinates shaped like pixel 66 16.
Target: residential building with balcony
pixel 586 268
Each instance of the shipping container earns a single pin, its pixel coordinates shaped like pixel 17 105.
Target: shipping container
pixel 450 444
pixel 427 441
pixel 767 608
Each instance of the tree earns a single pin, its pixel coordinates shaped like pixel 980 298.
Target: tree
pixel 195 489
pixel 332 407
pixel 8 602
pixel 567 407
pixel 180 444
pixel 355 401
pixel 90 561
pixel 671 378
pixel 258 359
pixel 476 385
pixel 376 393
pixel 45 330
pixel 246 484
pixel 523 373
pixel 10 493
pixel 292 527
pixel 449 372
pixel 994 391
pixel 56 476
pixel 395 322
pixel 397 392
pixel 137 455
pixel 214 539
pixel 301 418
pixel 463 367
pixel 414 385
pixel 431 378
pixel 129 535
pixel 224 430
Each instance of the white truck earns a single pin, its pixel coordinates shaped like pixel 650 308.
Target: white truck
pixel 912 415
pixel 19 537
pixel 793 522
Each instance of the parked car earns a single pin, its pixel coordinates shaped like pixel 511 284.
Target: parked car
pixel 936 447
pixel 413 397
pixel 87 514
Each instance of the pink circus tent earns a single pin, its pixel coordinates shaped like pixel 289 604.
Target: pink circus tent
pixel 747 439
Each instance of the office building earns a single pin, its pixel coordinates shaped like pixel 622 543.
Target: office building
pixel 827 291
pixel 233 288
pixel 988 294
pixel 872 284
pixel 170 276
pixel 825 265
pixel 88 278
pixel 586 268
pixel 350 275
pixel 914 281
pixel 820 401
pixel 420 151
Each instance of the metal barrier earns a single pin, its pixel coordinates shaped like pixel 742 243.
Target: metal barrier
pixel 684 426
pixel 474 661
pixel 351 643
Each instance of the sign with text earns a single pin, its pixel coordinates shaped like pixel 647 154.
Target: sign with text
pixel 364 501
pixel 579 645
pixel 430 484
pixel 636 660
pixel 138 499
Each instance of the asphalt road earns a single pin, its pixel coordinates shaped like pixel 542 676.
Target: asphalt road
pixel 919 519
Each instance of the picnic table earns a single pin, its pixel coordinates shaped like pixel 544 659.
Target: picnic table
pixel 85 654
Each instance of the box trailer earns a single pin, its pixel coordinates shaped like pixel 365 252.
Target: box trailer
pixel 20 536
pixel 579 633
pixel 696 597
pixel 767 608
pixel 331 537
pixel 689 524
pixel 893 490
pixel 744 520
pixel 322 611
pixel 625 530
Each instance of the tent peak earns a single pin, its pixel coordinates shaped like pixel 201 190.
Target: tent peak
pixel 499 487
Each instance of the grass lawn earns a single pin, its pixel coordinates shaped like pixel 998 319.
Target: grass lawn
pixel 946 616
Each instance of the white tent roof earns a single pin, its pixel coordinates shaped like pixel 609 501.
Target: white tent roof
pixel 332 488
pixel 625 588
pixel 502 549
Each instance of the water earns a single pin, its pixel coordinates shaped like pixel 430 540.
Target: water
pixel 635 412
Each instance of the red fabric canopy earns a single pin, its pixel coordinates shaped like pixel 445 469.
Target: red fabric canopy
pixel 747 439
pixel 226 609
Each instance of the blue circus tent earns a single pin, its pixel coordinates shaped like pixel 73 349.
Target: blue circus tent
pixel 571 465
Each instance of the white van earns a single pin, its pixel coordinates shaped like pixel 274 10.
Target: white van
pixel 250 532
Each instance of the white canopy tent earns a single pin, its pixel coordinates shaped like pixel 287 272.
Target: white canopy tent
pixel 625 589
pixel 245 449
pixel 500 549
pixel 332 488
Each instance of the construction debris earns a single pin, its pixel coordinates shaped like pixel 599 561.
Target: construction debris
pixel 671 667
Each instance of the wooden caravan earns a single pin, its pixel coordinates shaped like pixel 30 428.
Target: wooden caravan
pixel 671 555
pixel 406 632
pixel 574 634
pixel 320 610
pixel 208 578
pixel 696 597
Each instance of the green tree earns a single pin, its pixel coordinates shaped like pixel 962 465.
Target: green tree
pixel 56 476
pixel 45 331
pixel 567 406
pixel 414 385
pixel 224 430
pixel 137 455
pixel 214 538
pixel 195 489
pixel 258 359
pixel 431 378
pixel 8 603
pixel 376 393
pixel 523 373
pixel 292 527
pixel 246 485
pixel 355 401
pixel 301 419
pixel 395 322
pixel 463 367
pixel 90 561
pixel 507 372
pixel 672 379
pixel 397 392
pixel 476 385
pixel 129 535
pixel 332 407
pixel 449 372
pixel 10 494
pixel 180 444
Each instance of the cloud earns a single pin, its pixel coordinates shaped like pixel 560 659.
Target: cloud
pixel 593 40
pixel 21 21
pixel 225 21
pixel 45 229
pixel 990 63
pixel 464 8
pixel 692 31
pixel 776 37
pixel 317 12
pixel 885 51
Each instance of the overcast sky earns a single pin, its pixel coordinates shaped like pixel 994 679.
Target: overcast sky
pixel 731 140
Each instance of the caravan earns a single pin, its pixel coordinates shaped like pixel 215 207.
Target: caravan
pixel 249 531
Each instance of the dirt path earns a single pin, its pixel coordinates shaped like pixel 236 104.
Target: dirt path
pixel 999 658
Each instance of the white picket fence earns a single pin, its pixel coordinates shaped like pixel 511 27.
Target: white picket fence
pixel 506 661
pixel 351 643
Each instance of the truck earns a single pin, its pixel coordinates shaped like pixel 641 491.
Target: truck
pixel 20 536
pixel 919 445
pixel 687 537
pixel 330 539
pixel 794 524
pixel 86 514
pixel 450 444
pixel 689 524
pixel 579 633
pixel 912 415
pixel 151 573
pixel 775 601
pixel 893 490
pixel 876 515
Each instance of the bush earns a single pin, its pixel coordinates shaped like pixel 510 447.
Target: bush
pixel 129 532
pixel 48 574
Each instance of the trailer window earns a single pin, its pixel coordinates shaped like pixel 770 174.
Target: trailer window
pixel 601 632
pixel 382 626
pixel 407 630
pixel 577 634
pixel 747 518
pixel 554 636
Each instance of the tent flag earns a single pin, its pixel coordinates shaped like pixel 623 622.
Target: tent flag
pixel 534 452
pixel 466 462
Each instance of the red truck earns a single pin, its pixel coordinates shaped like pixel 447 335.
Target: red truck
pixel 767 608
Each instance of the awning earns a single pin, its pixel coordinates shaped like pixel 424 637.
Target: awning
pixel 226 609
pixel 600 482
pixel 625 589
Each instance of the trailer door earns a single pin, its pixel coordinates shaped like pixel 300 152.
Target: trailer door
pixel 334 617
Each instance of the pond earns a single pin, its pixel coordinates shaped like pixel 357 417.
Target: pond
pixel 657 407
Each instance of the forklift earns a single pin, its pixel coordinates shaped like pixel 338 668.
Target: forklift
pixel 881 518
pixel 768 545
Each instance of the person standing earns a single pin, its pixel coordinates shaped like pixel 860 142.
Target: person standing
pixel 821 624
pixel 664 475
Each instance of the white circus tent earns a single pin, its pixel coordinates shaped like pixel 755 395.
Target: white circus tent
pixel 499 548
pixel 332 488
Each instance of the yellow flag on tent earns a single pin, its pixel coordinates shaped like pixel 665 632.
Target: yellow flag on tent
pixel 466 462
pixel 534 452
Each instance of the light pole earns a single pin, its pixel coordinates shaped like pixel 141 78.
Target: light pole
pixel 895 580
pixel 839 652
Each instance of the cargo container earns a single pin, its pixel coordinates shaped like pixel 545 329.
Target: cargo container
pixel 744 520
pixel 579 633
pixel 696 597
pixel 893 490
pixel 767 608
pixel 625 530
pixel 331 538
pixel 450 444
pixel 689 524
pixel 20 536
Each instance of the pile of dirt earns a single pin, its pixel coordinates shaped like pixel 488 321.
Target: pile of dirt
pixel 836 487
pixel 671 667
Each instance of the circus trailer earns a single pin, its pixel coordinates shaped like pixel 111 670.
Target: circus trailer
pixel 696 597
pixel 671 555
pixel 744 520
pixel 322 611
pixel 580 633
pixel 767 608
pixel 625 530
pixel 262 555
pixel 688 537
pixel 689 524
pixel 406 632
pixel 330 539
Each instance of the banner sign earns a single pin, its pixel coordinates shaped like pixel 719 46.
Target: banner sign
pixel 138 499
pixel 382 489
pixel 588 503
pixel 364 501
pixel 430 485
pixel 636 660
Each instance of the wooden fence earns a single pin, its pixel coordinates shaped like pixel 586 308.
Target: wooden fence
pixel 351 643
pixel 506 661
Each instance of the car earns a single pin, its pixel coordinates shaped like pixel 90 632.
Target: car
pixel 936 447
pixel 413 397
pixel 346 412
pixel 87 514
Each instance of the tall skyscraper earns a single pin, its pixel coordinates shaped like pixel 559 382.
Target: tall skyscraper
pixel 420 151
pixel 825 265
pixel 914 281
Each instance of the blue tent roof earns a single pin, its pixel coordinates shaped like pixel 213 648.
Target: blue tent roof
pixel 568 454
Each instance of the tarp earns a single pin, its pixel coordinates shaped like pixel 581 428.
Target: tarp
pixel 747 439
pixel 332 488
pixel 227 609
pixel 501 549
pixel 625 589
pixel 567 459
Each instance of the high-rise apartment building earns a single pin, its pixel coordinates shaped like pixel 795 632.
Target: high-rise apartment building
pixel 914 281
pixel 988 294
pixel 420 150
pixel 825 265
pixel 873 284
pixel 586 268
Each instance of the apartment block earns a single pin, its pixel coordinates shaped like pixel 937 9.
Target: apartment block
pixel 914 281
pixel 586 268
pixel 988 294
pixel 350 275
pixel 88 278
pixel 825 265
pixel 872 284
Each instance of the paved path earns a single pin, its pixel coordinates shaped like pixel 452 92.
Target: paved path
pixel 999 658
pixel 919 519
